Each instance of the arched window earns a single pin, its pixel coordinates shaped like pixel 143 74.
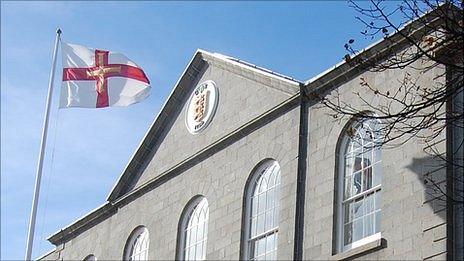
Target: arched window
pixel 137 245
pixel 90 258
pixel 262 213
pixel 194 230
pixel 359 190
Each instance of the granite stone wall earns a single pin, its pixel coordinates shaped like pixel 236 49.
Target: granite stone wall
pixel 413 224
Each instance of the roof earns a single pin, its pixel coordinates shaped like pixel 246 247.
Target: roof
pixel 379 50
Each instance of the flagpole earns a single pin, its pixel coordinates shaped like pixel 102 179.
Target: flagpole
pixel 30 236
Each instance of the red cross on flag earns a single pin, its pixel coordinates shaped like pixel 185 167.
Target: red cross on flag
pixel 95 78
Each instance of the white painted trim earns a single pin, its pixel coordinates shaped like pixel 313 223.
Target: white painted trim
pixel 362 241
pixel 128 249
pixel 257 69
pixel 186 214
pixel 341 187
pixel 255 175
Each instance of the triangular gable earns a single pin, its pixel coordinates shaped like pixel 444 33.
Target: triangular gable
pixel 199 63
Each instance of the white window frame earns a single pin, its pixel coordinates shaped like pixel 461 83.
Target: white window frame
pixel 341 189
pixel 249 190
pixel 187 214
pixel 139 233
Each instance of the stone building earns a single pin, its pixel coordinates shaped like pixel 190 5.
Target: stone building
pixel 242 163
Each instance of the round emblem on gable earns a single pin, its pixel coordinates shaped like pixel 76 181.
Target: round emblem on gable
pixel 201 107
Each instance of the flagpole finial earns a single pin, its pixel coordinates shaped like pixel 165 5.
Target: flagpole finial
pixel 58 31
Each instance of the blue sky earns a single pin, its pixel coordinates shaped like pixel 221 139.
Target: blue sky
pixel 88 149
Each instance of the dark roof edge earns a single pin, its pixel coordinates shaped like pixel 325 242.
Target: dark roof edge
pixel 376 50
pixel 78 226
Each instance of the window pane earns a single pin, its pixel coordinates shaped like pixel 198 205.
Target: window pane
pixel 270 243
pixel 200 232
pixel 348 212
pixel 356 183
pixel 191 254
pixel 204 250
pixel 270 219
pixel 367 163
pixel 367 179
pixel 193 235
pixel 369 203
pixel 377 221
pixel 378 200
pixel 349 164
pixel 261 246
pixel 261 202
pixel 254 207
pixel 271 247
pixel 369 225
pixel 348 186
pixel 357 163
pixel 362 159
pixel 262 183
pixel 270 199
pixel 357 229
pixel 356 144
pixel 367 157
pixel 276 217
pixel 358 208
pixel 138 250
pixel 348 233
pixel 377 177
pixel 260 224
pixel 265 200
pixel 377 154
pixel 376 128
pixel 368 135
pixel 254 227
pixel 196 232
pixel 199 252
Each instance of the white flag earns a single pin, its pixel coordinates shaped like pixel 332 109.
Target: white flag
pixel 95 78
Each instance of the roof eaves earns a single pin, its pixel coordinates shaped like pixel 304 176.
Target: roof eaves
pixel 257 68
pixel 375 47
pixel 80 223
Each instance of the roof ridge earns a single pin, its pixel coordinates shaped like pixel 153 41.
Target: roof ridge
pixel 254 66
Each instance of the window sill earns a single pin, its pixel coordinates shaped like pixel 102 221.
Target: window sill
pixel 361 250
